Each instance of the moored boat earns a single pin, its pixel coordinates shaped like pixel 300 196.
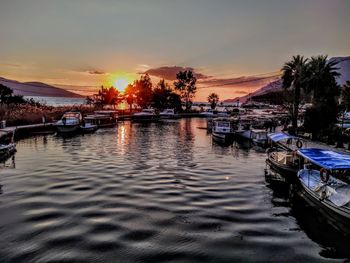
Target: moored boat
pixel 168 114
pixel 222 130
pixel 283 157
pixel 325 182
pixel 69 123
pixel 102 119
pixel 259 137
pixel 88 128
pixel 146 115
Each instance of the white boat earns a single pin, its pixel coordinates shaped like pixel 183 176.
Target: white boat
pixel 325 181
pixel 69 123
pixel 282 157
pixel 88 128
pixel 222 130
pixel 102 119
pixel 146 115
pixel 168 114
pixel 209 113
pixel 256 136
pixel 6 150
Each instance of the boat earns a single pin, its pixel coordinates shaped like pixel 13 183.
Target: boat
pixel 282 156
pixel 259 137
pixel 69 123
pixel 88 128
pixel 6 150
pixel 168 114
pixel 285 141
pixel 222 130
pixel 209 113
pixel 146 115
pixel 325 181
pixel 102 119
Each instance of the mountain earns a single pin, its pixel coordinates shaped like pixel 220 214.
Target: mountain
pixel 344 70
pixel 36 89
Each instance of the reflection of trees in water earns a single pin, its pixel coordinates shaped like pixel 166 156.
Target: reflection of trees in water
pixel 183 147
pixel 312 222
pixel 71 144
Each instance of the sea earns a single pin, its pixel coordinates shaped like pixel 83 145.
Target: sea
pixel 57 101
pixel 154 192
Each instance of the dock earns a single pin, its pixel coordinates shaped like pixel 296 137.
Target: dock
pixel 24 130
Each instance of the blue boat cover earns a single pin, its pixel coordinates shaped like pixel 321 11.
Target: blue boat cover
pixel 279 136
pixel 326 158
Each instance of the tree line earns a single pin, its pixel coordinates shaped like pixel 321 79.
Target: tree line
pixel 314 80
pixel 143 94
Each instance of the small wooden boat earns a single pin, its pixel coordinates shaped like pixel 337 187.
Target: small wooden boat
pixel 222 130
pixel 283 157
pixel 325 181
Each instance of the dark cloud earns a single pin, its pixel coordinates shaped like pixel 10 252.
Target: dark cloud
pixel 238 82
pixel 204 81
pixel 169 72
pixel 96 72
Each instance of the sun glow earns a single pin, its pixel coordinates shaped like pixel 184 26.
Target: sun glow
pixel 121 83
pixel 119 80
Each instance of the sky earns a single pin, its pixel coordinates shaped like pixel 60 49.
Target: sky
pixel 230 44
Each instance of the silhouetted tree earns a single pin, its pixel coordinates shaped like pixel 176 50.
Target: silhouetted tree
pixel 321 82
pixel 106 96
pixel 143 91
pixel 186 86
pixel 345 95
pixel 294 75
pixel 164 97
pixel 321 79
pixel 213 99
pixel 130 95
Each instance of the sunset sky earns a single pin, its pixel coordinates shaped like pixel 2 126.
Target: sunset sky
pixel 81 44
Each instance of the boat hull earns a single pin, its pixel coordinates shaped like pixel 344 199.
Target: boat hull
pixel 245 134
pixel 67 128
pixel 288 173
pixel 340 217
pixel 89 129
pixel 225 138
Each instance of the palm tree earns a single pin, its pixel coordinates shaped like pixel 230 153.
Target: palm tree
pixel 345 95
pixel 293 77
pixel 321 80
pixel 213 99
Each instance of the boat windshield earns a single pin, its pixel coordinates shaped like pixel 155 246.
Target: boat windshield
pixel 223 124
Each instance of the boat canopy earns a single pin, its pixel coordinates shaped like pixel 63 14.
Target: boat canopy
pixel 279 136
pixel 327 159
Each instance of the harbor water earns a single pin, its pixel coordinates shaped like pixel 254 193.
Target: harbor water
pixel 156 192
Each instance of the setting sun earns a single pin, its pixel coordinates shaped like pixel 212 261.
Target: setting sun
pixel 121 83
pixel 119 80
